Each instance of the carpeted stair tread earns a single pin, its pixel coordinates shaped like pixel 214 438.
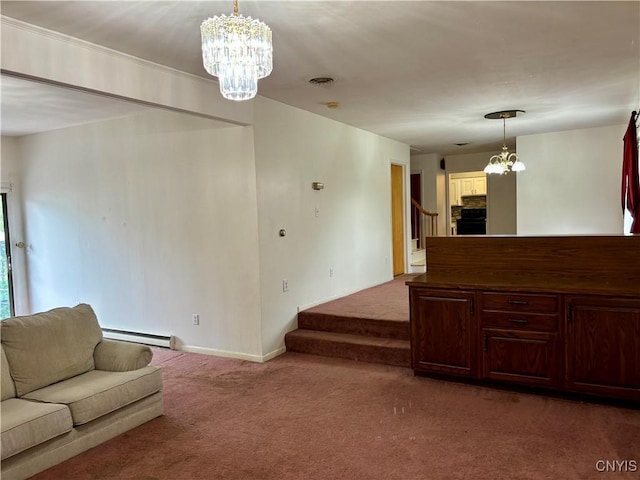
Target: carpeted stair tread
pixel 388 351
pixel 354 325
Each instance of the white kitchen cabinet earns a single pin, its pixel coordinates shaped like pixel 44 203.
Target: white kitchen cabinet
pixel 454 192
pixel 473 186
pixel 463 184
pixel 466 186
pixel 480 185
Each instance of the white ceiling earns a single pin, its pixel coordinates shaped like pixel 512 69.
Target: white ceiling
pixel 30 107
pixel 424 73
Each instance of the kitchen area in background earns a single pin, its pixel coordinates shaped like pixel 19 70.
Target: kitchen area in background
pixel 468 203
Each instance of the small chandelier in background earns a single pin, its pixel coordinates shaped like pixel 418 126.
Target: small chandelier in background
pixel 237 50
pixel 504 162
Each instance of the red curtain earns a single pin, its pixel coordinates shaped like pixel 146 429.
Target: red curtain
pixel 630 180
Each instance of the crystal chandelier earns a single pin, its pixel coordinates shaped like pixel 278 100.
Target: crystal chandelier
pixel 238 51
pixel 504 162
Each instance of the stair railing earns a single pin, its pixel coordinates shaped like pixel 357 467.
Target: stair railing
pixel 419 218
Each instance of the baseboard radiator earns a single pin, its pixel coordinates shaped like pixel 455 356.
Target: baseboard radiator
pixel 138 337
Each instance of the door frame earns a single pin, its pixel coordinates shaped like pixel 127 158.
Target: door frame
pixel 7 248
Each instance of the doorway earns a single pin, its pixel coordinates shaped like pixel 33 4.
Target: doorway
pixel 467 213
pixel 416 224
pixel 397 218
pixel 6 281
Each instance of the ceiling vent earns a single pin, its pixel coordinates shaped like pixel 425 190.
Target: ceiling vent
pixel 321 80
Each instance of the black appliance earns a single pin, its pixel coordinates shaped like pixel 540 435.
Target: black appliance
pixel 472 221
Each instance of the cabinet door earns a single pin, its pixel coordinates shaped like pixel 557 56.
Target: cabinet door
pixel 454 192
pixel 603 346
pixel 466 186
pixel 443 332
pixel 524 357
pixel 480 185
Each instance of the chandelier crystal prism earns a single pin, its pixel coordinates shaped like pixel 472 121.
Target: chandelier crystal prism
pixel 239 51
pixel 504 162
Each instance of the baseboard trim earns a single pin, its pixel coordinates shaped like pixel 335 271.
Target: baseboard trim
pixel 229 354
pixel 277 352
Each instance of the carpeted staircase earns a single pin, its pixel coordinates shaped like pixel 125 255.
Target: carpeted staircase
pixel 362 339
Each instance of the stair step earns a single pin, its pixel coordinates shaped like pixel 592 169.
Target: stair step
pixel 388 351
pixel 368 327
pixel 419 257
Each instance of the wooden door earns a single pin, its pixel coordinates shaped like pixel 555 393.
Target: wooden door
pixel 397 218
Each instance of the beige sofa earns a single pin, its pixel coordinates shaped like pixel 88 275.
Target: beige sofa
pixel 66 390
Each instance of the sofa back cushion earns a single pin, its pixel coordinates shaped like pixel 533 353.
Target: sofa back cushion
pixel 50 346
pixel 7 388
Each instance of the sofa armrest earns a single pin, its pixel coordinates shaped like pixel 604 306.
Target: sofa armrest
pixel 116 356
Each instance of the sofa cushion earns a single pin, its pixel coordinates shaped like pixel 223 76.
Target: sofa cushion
pixel 97 392
pixel 7 388
pixel 64 339
pixel 26 424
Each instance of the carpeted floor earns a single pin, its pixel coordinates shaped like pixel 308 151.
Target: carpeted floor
pixel 387 301
pixel 304 417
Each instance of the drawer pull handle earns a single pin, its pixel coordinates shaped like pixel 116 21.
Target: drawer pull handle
pixel 518 320
pixel 518 302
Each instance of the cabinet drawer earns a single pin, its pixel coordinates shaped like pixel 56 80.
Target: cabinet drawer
pixel 520 321
pixel 520 302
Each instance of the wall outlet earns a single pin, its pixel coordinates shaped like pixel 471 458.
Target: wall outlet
pixel 331 272
pixel 316 212
pixel 195 319
pixel 285 285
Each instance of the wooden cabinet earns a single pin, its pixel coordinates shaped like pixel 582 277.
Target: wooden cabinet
pixel 520 338
pixel 603 346
pixel 581 344
pixel 444 332
pixel 558 313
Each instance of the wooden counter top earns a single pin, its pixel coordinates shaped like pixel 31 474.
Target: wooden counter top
pixel 527 284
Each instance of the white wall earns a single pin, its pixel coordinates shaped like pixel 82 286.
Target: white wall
pixel 150 219
pixel 501 190
pixel 572 182
pixel 351 235
pixel 154 217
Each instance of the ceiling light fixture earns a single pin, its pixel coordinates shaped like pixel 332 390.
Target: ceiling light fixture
pixel 237 50
pixel 504 162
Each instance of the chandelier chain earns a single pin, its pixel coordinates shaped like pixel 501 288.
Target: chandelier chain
pixel 504 131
